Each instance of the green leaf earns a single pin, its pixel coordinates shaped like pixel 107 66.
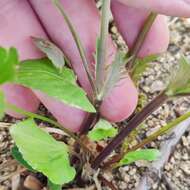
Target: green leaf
pixel 9 60
pixel 102 45
pixel 102 130
pixel 2 104
pixel 116 71
pixel 51 50
pixel 146 154
pixel 41 75
pixel 141 65
pixel 42 152
pixel 180 79
pixel 18 156
pixel 52 186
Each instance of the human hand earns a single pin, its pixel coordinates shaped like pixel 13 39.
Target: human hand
pixel 22 19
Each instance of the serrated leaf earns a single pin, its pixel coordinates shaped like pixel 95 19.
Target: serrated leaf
pixel 116 71
pixel 141 65
pixel 102 130
pixel 9 60
pixel 41 75
pixel 18 156
pixel 51 50
pixel 180 79
pixel 2 104
pixel 52 186
pixel 102 45
pixel 146 154
pixel 42 152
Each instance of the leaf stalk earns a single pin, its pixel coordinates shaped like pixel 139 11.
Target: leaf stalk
pixel 133 124
pixel 140 40
pixel 45 119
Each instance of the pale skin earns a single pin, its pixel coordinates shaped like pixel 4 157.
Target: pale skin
pixel 20 19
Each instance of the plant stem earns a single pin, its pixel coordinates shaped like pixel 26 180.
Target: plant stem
pixel 78 43
pixel 89 122
pixel 140 40
pixel 149 139
pixel 36 116
pixel 102 45
pixel 162 131
pixel 133 123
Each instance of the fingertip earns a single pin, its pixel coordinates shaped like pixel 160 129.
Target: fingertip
pixel 121 102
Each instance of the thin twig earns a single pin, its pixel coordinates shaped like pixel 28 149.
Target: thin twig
pixel 55 130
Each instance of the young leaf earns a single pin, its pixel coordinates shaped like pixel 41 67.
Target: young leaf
pixel 18 156
pixel 102 130
pixel 41 75
pixel 42 152
pixel 51 50
pixel 2 104
pixel 9 60
pixel 52 186
pixel 102 45
pixel 146 154
pixel 180 80
pixel 141 65
pixel 116 72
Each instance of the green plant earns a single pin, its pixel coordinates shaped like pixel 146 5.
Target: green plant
pixel 54 72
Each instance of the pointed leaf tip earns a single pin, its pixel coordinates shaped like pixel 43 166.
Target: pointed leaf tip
pixel 51 50
pixel 146 154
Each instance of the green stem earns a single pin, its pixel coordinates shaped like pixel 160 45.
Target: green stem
pixel 78 43
pixel 140 40
pixel 162 131
pixel 102 44
pixel 45 119
pixel 149 139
